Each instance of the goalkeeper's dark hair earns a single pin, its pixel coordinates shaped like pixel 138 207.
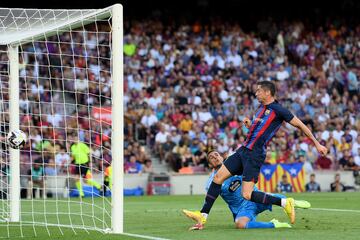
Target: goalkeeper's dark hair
pixel 267 85
pixel 210 151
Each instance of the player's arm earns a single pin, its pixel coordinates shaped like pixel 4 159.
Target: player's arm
pixel 296 122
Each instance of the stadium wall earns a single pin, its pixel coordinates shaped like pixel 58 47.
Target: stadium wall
pixel 191 184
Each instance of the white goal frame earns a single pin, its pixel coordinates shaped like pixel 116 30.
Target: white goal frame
pixel 12 39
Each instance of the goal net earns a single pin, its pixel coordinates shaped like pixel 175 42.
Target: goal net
pixel 61 83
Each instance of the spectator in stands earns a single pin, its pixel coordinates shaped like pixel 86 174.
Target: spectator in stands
pixel 312 186
pixel 324 162
pixel 186 124
pixel 148 167
pixel 200 156
pixel 186 169
pixel 148 122
pixel 133 166
pixel 284 186
pixel 167 148
pixel 311 155
pixel 160 139
pixel 175 136
pixel 166 76
pixel 188 157
pixel 356 146
pixel 282 74
pixel 62 160
pixel 351 165
pixel 50 168
pixel 345 159
pixel 347 135
pixel 338 132
pixel 343 145
pixel 36 180
pixel 337 186
pixel 222 147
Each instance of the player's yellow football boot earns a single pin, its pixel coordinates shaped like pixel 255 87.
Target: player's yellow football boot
pixel 278 224
pixel 195 215
pixel 302 204
pixel 290 209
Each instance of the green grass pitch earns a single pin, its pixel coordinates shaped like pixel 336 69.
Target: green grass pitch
pixel 160 216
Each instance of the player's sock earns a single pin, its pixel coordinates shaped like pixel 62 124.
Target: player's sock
pixel 79 188
pixel 254 224
pixel 212 194
pixel 110 184
pixel 261 197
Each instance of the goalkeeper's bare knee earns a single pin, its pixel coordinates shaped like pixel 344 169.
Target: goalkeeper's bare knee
pixel 241 223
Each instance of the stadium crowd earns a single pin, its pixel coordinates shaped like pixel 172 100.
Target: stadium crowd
pixel 187 88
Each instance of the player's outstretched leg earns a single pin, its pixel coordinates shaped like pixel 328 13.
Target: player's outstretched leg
pixel 272 224
pixel 278 224
pixel 214 190
pixel 265 198
pixel 298 203
pixel 245 223
pixel 287 203
pixel 302 204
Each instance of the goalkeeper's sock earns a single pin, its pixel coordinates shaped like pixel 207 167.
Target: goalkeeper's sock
pixel 79 188
pixel 254 224
pixel 110 184
pixel 261 197
pixel 94 183
pixel 212 194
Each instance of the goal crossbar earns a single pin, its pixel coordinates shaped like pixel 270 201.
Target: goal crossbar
pixel 12 34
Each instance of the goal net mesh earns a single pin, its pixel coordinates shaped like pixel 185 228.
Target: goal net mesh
pixel 65 110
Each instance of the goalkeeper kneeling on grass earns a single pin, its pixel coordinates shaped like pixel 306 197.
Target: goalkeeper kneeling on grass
pixel 244 211
pixel 80 153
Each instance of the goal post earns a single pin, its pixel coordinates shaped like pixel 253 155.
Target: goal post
pixel 14 124
pixel 61 73
pixel 117 120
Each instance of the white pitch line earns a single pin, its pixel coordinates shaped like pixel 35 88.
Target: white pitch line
pixel 335 210
pixel 218 210
pixel 144 236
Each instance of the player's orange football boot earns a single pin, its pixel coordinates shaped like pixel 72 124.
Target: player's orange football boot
pixel 290 209
pixel 195 215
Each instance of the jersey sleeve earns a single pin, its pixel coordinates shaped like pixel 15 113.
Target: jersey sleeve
pixel 209 181
pixel 284 114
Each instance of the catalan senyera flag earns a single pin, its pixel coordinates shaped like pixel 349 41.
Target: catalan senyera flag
pixel 268 178
pixel 270 175
pixel 296 175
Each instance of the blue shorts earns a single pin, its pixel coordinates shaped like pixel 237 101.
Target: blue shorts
pixel 251 214
pixel 251 210
pixel 245 162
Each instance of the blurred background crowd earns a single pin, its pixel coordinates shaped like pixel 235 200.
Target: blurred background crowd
pixel 187 86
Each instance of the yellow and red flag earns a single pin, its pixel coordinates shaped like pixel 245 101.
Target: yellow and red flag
pixel 270 175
